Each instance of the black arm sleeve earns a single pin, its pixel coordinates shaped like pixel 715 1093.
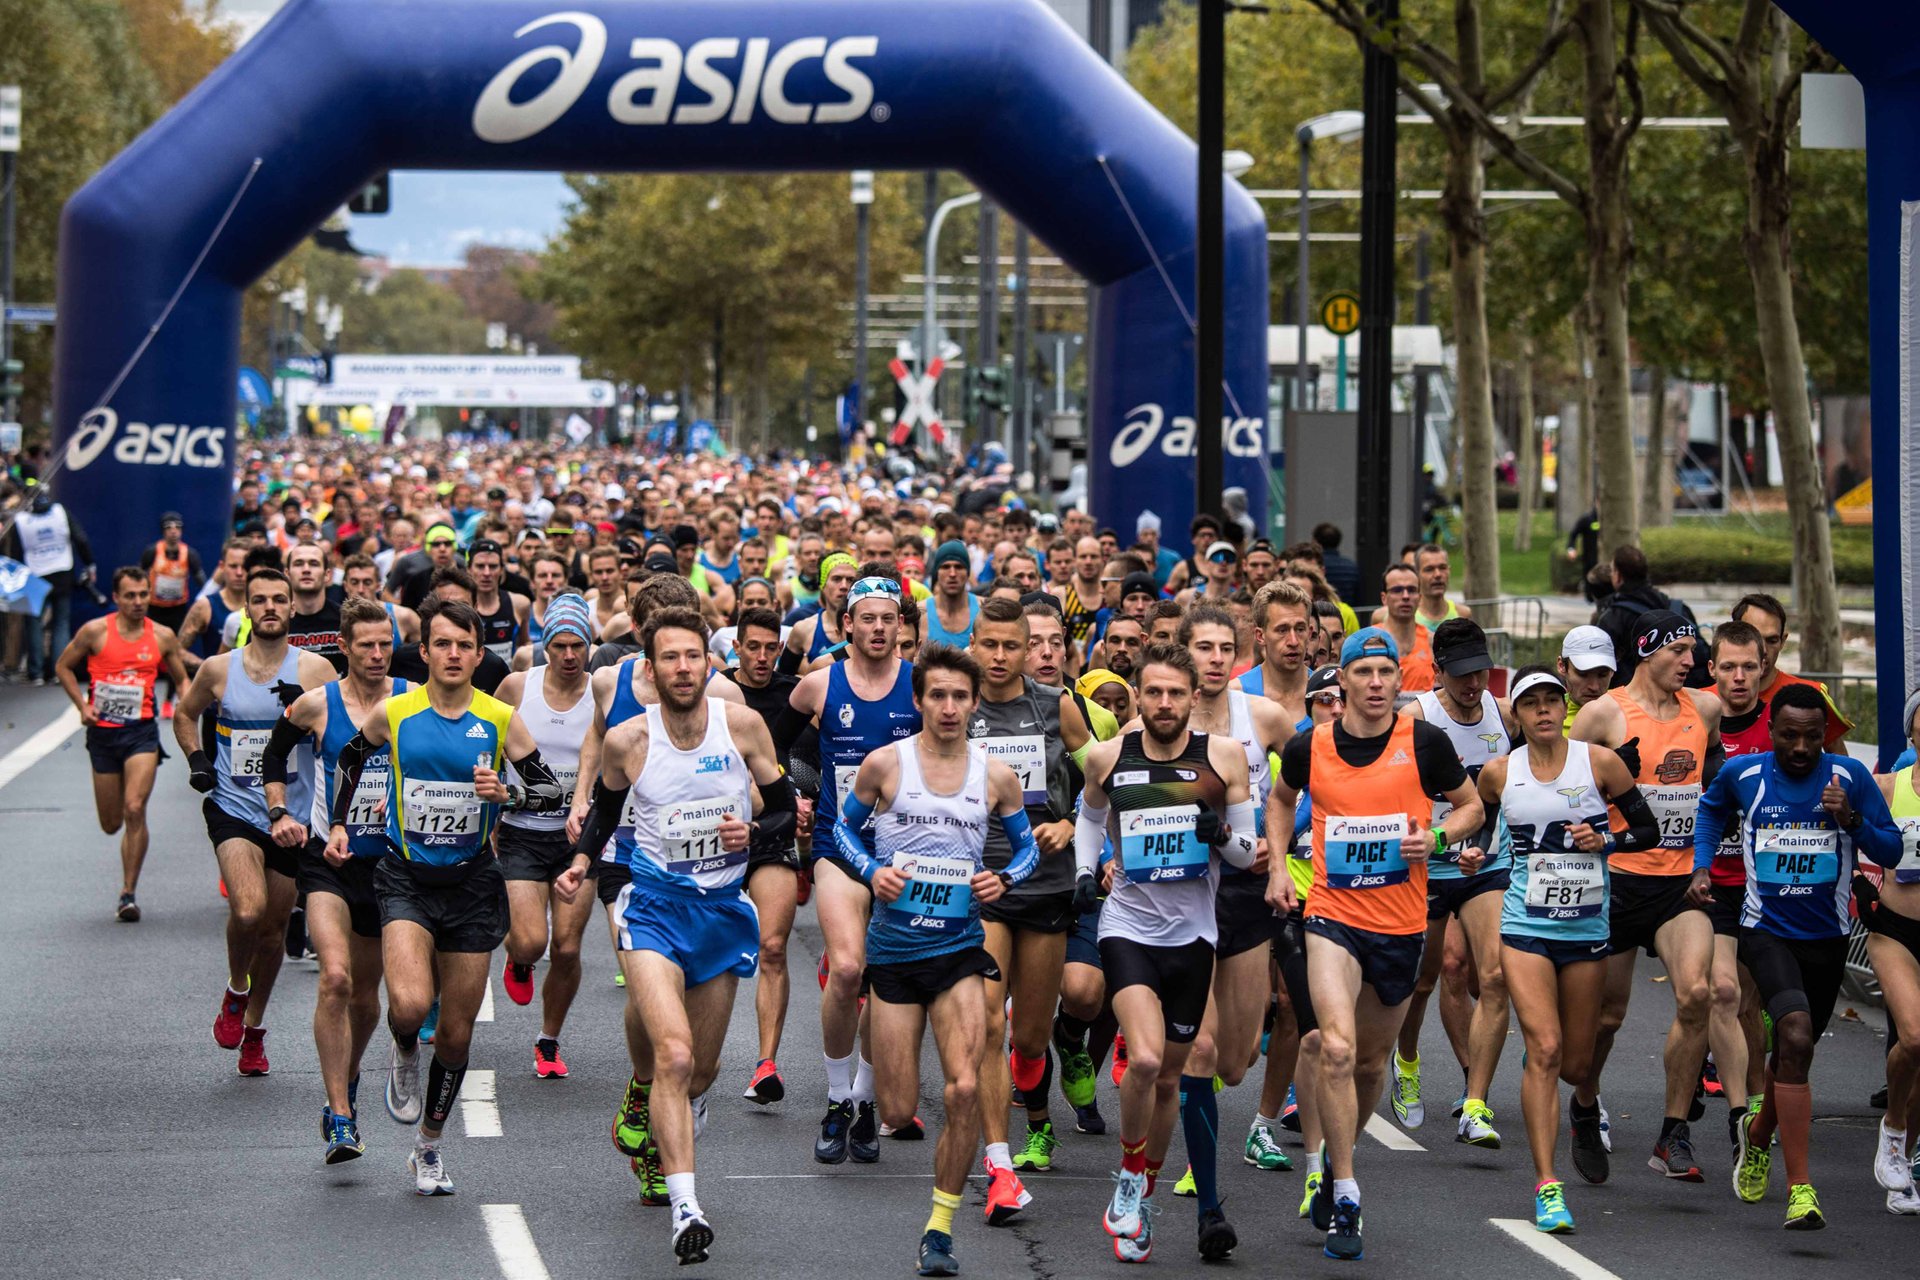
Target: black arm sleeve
pixel 789 664
pixel 777 813
pixel 602 818
pixel 1296 760
pixel 544 793
pixel 1710 767
pixel 353 760
pixel 787 728
pixel 280 746
pixel 1643 828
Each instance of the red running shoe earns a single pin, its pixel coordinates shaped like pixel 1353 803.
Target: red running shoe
pixel 227 1027
pixel 823 971
pixel 804 889
pixel 546 1059
pixel 518 980
pixel 766 1086
pixel 223 886
pixel 253 1052
pixel 1119 1060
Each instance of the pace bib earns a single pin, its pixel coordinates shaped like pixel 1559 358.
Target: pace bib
pixel 939 894
pixel 1364 853
pixel 690 839
pixel 246 751
pixel 1161 845
pixel 1026 755
pixel 439 813
pixel 1568 885
pixel 1790 862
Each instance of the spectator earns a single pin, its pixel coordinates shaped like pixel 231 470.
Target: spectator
pixel 1147 533
pixel 1633 595
pixel 1583 548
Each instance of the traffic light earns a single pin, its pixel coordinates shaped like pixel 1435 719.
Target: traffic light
pixel 990 387
pixel 10 386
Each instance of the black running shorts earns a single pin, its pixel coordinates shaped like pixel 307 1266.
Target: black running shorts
pixel 463 907
pixel 1242 915
pixel 923 981
pixel 1640 905
pixel 1181 976
pixel 527 854
pixel 223 826
pixel 352 883
pixel 1795 975
pixel 108 747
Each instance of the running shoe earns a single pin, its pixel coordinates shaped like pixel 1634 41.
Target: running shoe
pixel 1590 1149
pixel 1125 1217
pixel 1476 1126
pixel 1005 1196
pixel 831 1146
pixel 1710 1079
pixel 228 1024
pixel 863 1137
pixel 692 1237
pixel 1698 1106
pixel 1606 1124
pixel 1803 1209
pixel 1890 1167
pixel 546 1060
pixel 166 709
pixel 1320 1206
pixel 1904 1202
pixel 936 1255
pixel 1407 1106
pixel 1185 1188
pixel 1459 1105
pixel 630 1126
pixel 912 1131
pixel 619 978
pixel 1217 1237
pixel 1119 1070
pixel 1311 1192
pixel 1752 1164
pixel 1550 1209
pixel 1037 1155
pixel 429 1174
pixel 128 912
pixel 518 980
pixel 253 1052
pixel 1290 1114
pixel 431 1023
pixel 1673 1156
pixel 1263 1152
pixel 1343 1236
pixel 1138 1248
pixel 1077 1082
pixel 653 1183
pixel 1088 1119
pixel 765 1086
pixel 343 1138
pixel 404 1103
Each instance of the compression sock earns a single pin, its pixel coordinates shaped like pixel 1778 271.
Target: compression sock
pixel 941 1219
pixel 1795 1104
pixel 1069 1033
pixel 443 1086
pixel 1200 1124
pixel 1133 1155
pixel 1036 1096
pixel 1761 1128
pixel 1026 1071
pixel 1153 1174
pixel 1668 1124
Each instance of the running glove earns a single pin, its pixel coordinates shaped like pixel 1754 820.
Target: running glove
pixel 200 773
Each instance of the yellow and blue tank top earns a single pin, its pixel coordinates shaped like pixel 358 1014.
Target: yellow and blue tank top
pixel 434 816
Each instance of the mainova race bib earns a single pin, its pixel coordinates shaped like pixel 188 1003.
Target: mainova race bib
pixel 1908 869
pixel 246 751
pixel 440 813
pixel 367 812
pixel 1162 845
pixel 1676 807
pixel 1793 862
pixel 121 702
pixel 939 894
pixel 1364 853
pixel 1568 885
pixel 690 839
pixel 1026 755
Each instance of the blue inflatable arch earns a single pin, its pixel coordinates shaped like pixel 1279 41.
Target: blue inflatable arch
pixel 331 92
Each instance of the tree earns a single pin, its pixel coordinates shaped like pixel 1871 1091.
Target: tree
pixel 1755 80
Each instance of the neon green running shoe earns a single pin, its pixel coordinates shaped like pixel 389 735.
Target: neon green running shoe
pixel 1077 1080
pixel 1263 1152
pixel 1476 1126
pixel 1185 1186
pixel 630 1126
pixel 1751 1165
pixel 653 1183
pixel 1037 1155
pixel 1312 1189
pixel 1803 1209
pixel 1407 1107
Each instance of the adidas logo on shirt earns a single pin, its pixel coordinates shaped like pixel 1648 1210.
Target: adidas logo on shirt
pixel 1399 757
pixel 477 731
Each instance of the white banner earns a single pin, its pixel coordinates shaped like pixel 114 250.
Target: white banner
pixel 492 369
pixel 575 394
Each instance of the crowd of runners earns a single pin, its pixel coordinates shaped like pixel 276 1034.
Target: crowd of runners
pixel 1075 802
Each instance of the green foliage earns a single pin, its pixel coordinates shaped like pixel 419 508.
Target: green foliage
pixel 1689 553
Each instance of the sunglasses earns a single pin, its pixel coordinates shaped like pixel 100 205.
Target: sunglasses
pixel 1328 699
pixel 440 542
pixel 1223 557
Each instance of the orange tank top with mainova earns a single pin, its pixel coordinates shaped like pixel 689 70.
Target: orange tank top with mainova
pixel 170 575
pixel 1360 815
pixel 121 676
pixel 1671 755
pixel 1416 668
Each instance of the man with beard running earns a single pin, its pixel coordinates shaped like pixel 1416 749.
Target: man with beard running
pixel 315 625
pixel 343 915
pixel 1175 803
pixel 251 687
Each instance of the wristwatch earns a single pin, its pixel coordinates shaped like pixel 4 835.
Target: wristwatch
pixel 516 795
pixel 1439 842
pixel 275 813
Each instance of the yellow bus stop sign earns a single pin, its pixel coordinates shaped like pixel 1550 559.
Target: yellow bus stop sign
pixel 1340 313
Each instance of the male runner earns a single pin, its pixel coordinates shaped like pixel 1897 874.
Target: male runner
pixel 1081 594
pixel 773 863
pixel 1481 728
pixel 1666 733
pixel 1175 803
pixel 688 932
pixel 207 618
pixel 811 643
pixel 1047 650
pixel 954 608
pixel 1283 631
pixel 858 706
pixel 606 599
pixel 343 914
pixel 1803 814
pixel 1031 728
pixel 504 612
pixel 174 575
pixel 1220 564
pixel 929 797
pixel 443 903
pixel 122 654
pixel 1587 664
pixel 251 687
pixel 360 580
pixel 1766 615
pixel 1411 640
pixel 556 704
pixel 1372 774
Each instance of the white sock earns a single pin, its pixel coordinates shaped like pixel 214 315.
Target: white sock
pixel 839 1078
pixel 680 1191
pixel 863 1081
pixel 1313 1161
pixel 1343 1189
pixel 998 1156
pixel 1264 1122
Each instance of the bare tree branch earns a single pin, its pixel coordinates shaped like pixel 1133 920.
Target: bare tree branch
pixel 1686 27
pixel 1557 32
pixel 1682 50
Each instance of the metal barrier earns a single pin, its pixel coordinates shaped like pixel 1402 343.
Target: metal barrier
pixel 1518 633
pixel 1861 983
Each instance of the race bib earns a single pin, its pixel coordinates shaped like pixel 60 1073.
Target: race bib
pixel 939 894
pixel 622 833
pixel 246 750
pixel 1161 845
pixel 118 702
pixel 1566 886
pixel 569 778
pixel 1790 862
pixel 1907 871
pixel 1364 853
pixel 1676 807
pixel 1026 755
pixel 440 813
pixel 690 839
pixel 169 586
pixel 367 811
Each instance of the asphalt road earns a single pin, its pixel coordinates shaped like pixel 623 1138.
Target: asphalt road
pixel 130 1147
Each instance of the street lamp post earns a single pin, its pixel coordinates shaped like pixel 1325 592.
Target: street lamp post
pixel 1340 126
pixel 1209 348
pixel 929 288
pixel 862 210
pixel 9 152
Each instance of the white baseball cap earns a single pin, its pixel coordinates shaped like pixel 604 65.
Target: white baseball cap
pixel 1588 649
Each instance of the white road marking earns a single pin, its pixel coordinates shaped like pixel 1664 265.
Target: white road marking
pixel 479 1114
pixel 486 1002
pixel 919 1177
pixel 41 745
pixel 1389 1136
pixel 1553 1249
pixel 512 1242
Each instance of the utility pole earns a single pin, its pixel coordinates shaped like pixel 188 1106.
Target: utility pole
pixel 1021 448
pixel 9 153
pixel 862 209
pixel 1378 154
pixel 986 346
pixel 1209 355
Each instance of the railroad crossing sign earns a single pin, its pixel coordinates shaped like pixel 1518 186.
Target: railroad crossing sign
pixel 918 389
pixel 1340 313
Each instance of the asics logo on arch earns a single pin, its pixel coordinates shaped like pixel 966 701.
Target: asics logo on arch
pixel 735 79
pixel 1240 437
pixel 165 443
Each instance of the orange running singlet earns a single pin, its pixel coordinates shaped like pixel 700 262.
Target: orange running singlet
pixel 1671 753
pixel 1359 817
pixel 122 675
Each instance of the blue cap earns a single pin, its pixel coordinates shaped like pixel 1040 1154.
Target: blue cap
pixel 1368 642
